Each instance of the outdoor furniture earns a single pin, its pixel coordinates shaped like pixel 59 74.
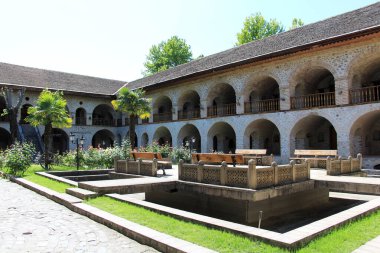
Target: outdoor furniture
pixel 257 154
pixel 213 158
pixel 317 158
pixel 150 156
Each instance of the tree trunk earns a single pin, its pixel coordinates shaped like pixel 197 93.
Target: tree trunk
pixel 13 126
pixel 132 130
pixel 47 142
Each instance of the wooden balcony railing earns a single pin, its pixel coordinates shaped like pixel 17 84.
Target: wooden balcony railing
pixel 161 117
pixel 103 122
pixel 80 121
pixel 365 95
pixel 145 121
pixel 189 114
pixel 222 110
pixel 313 100
pixel 268 105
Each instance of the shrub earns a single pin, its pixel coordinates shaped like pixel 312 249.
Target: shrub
pixel 18 158
pixel 180 153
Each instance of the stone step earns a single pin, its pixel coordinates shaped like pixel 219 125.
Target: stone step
pixel 81 193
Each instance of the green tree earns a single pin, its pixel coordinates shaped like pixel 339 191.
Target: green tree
pixel 135 104
pixel 50 111
pixel 167 54
pixel 296 22
pixel 256 27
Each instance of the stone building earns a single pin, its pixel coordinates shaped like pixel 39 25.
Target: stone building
pixel 314 87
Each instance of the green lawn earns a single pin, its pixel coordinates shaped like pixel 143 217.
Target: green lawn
pixel 46 182
pixel 344 239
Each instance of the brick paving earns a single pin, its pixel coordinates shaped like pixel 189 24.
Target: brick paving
pixel 32 223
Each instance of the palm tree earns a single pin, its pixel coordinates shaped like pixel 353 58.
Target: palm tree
pixel 50 111
pixel 135 104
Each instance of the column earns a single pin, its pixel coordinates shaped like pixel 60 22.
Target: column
pixel 341 91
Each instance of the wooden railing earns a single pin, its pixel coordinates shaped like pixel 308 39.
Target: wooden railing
pixel 221 110
pixel 365 95
pixel 189 114
pixel 145 121
pixel 160 117
pixel 128 121
pixel 268 105
pixel 103 122
pixel 313 100
pixel 80 121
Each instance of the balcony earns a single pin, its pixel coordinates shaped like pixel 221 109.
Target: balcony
pixel 268 105
pixel 222 110
pixel 162 117
pixel 103 122
pixel 313 100
pixel 365 95
pixel 184 115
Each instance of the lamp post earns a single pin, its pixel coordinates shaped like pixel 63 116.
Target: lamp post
pixel 78 142
pixel 192 142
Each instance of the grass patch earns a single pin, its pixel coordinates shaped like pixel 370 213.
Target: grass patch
pixel 54 185
pixel 348 237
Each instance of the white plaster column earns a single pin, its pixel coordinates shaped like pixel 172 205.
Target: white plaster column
pixel 203 108
pixel 341 91
pixel 175 112
pixel 284 98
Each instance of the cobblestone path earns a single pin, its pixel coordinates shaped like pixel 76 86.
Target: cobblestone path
pixel 32 223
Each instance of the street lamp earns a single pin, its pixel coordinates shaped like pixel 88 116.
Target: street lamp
pixel 192 142
pixel 79 143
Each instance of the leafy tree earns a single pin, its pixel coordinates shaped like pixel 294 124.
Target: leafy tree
pixel 12 109
pixel 296 22
pixel 256 27
pixel 135 104
pixel 167 54
pixel 50 111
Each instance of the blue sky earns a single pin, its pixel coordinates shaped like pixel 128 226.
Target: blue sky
pixel 111 38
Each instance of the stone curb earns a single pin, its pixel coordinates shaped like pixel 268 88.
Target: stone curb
pixel 56 178
pixel 141 234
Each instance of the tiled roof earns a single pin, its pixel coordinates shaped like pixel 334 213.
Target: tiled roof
pixel 41 78
pixel 353 22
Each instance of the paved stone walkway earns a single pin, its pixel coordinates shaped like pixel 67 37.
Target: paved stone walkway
pixel 372 246
pixel 32 223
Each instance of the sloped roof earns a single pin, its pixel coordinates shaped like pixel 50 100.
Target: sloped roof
pixel 40 78
pixel 354 22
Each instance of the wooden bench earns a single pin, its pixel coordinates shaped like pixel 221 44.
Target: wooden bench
pixel 213 158
pixel 257 154
pixel 318 158
pixel 162 164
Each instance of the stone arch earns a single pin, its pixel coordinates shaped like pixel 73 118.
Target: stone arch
pixel 313 86
pixel 162 136
pixel 60 141
pixel 221 100
pixel 162 109
pixel 144 140
pixel 188 133
pixel 364 79
pixel 103 139
pixel 263 134
pixel 261 94
pixel 80 117
pixel 365 134
pixel 5 139
pixel 103 115
pixel 313 132
pixel 221 137
pixel 24 113
pixel 189 105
